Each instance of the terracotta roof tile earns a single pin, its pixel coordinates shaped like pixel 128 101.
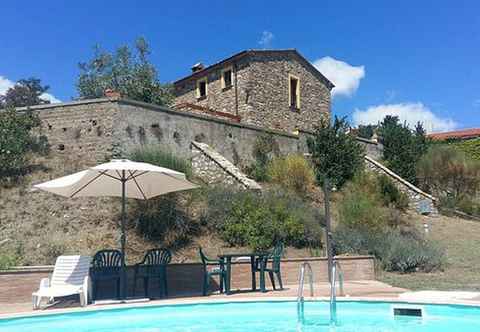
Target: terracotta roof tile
pixel 459 134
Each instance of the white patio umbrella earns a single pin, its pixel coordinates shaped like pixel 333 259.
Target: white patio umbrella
pixel 119 178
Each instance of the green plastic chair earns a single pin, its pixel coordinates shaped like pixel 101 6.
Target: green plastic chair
pixel 106 265
pixel 217 270
pixel 153 265
pixel 274 256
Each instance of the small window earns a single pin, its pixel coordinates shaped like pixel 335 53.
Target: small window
pixel 227 78
pixel 202 89
pixel 294 92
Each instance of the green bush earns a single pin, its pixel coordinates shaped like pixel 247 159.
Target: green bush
pixel 7 261
pixel 163 158
pixel 15 141
pixel 265 149
pixel 293 172
pixel 258 220
pixel 390 193
pixel 166 219
pixel 396 250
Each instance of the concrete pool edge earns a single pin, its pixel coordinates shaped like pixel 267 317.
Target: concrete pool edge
pixel 180 302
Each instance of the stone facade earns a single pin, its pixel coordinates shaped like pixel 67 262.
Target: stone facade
pixel 259 94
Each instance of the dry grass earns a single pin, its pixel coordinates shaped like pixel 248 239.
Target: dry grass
pixel 461 239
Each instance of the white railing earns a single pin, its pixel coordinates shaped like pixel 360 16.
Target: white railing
pixel 300 299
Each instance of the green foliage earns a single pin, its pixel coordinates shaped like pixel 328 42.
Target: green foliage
pixel 402 148
pixel 446 171
pixel 470 147
pixel 7 261
pixel 293 172
pixel 366 131
pixel 390 193
pixel 15 141
pixel 166 219
pixel 264 149
pixel 258 220
pixel 396 250
pixel 26 92
pixel 164 158
pixel 335 153
pixel 129 73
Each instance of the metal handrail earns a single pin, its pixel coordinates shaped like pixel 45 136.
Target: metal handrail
pixel 333 290
pixel 301 282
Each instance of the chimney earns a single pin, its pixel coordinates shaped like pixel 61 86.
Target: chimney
pixel 109 93
pixel 197 67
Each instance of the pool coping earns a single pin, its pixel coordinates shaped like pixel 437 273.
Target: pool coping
pixel 180 302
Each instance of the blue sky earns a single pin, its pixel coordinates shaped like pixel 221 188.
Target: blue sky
pixel 418 59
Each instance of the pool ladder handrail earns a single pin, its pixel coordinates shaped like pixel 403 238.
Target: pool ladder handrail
pixel 301 282
pixel 333 290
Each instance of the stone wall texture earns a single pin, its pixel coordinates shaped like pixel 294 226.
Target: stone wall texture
pixel 213 168
pixel 260 91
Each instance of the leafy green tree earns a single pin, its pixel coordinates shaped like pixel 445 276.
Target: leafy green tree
pixel 129 73
pixel 336 154
pixel 26 92
pixel 15 141
pixel 366 131
pixel 402 147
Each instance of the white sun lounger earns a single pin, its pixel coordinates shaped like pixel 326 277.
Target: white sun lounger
pixel 70 277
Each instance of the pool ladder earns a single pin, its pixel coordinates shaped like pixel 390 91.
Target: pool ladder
pixel 300 299
pixel 336 269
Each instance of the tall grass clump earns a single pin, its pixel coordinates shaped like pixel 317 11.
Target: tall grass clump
pixel 292 172
pixel 163 158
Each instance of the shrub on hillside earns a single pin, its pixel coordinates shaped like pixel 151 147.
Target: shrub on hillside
pixel 16 141
pixel 396 250
pixel 259 220
pixel 265 149
pixel 390 194
pixel 292 172
pixel 166 219
pixel 445 171
pixel 164 158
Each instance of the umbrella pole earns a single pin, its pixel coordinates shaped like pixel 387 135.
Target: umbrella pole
pixel 122 241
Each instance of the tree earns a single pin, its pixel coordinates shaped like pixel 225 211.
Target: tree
pixel 15 140
pixel 335 153
pixel 129 73
pixel 366 131
pixel 26 92
pixel 402 147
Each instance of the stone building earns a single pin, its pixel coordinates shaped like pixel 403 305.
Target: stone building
pixel 275 89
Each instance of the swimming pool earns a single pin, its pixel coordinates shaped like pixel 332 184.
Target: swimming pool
pixel 252 316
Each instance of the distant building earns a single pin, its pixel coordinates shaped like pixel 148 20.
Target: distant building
pixel 458 134
pixel 276 89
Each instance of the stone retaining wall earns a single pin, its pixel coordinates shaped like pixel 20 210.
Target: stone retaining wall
pixel 213 168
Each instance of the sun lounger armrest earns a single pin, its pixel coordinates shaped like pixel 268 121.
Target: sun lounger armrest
pixel 44 283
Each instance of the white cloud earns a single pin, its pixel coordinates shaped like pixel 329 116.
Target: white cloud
pixel 50 97
pixel 345 76
pixel 266 39
pixel 411 113
pixel 6 84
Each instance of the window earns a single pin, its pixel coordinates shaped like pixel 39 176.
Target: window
pixel 294 92
pixel 202 89
pixel 227 78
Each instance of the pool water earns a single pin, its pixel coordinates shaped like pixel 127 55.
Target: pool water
pixel 252 316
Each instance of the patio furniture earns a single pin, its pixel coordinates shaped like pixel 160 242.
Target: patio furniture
pixel 227 261
pixel 153 265
pixel 212 267
pixel 70 277
pixel 106 265
pixel 274 257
